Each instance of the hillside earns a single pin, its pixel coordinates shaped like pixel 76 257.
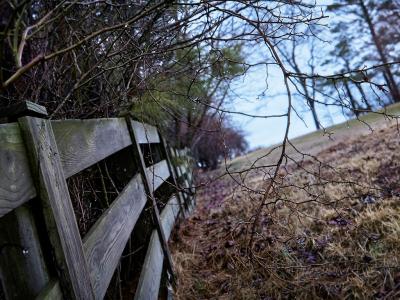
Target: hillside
pixel 315 142
pixel 331 230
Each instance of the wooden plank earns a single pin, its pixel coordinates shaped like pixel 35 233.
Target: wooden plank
pixel 169 215
pixel 22 109
pixel 179 168
pixel 189 175
pixel 22 267
pixel 56 203
pixel 185 178
pixel 180 174
pixel 172 170
pixel 84 142
pixel 183 169
pixel 21 261
pixel 157 174
pixel 138 156
pixel 81 143
pixel 144 133
pixel 105 242
pixel 179 179
pixel 150 276
pixel 16 184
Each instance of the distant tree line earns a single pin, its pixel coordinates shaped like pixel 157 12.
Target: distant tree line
pixel 362 33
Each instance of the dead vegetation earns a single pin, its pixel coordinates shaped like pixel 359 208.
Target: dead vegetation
pixel 331 229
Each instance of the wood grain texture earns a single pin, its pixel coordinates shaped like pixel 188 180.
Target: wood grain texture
pixel 144 133
pixel 187 190
pixel 157 174
pixel 138 155
pixel 179 172
pixel 84 142
pixel 105 242
pixel 22 109
pixel 185 177
pixel 150 276
pixel 166 151
pixel 179 163
pixel 149 186
pixel 169 216
pixel 81 143
pixel 179 179
pixel 16 184
pixel 23 270
pixel 59 216
pixel 149 282
pixel 21 258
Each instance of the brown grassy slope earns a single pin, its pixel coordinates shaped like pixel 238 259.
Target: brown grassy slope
pixel 317 141
pixel 331 231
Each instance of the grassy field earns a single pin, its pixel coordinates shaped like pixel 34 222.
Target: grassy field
pixel 328 229
pixel 315 142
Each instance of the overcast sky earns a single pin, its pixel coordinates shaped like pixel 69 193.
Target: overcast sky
pixel 265 132
pixel 268 131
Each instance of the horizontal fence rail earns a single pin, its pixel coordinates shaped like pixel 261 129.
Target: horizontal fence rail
pixel 104 244
pixel 36 157
pixel 150 276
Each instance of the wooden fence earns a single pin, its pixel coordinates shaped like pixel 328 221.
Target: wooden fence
pixel 36 158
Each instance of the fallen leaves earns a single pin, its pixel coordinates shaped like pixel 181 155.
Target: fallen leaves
pixel 343 243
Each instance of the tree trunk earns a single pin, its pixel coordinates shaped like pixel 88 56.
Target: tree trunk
pixel 364 97
pixel 393 89
pixel 353 102
pixel 311 103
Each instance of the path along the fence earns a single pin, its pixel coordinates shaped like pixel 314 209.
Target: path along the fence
pixel 36 158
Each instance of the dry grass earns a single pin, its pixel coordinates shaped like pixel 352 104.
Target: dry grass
pixel 330 231
pixel 317 141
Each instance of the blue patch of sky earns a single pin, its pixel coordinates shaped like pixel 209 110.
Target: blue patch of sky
pixel 253 99
pixel 262 92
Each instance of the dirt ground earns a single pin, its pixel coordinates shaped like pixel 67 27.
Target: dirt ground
pixel 330 228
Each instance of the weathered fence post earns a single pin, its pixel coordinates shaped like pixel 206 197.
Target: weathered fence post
pixel 57 208
pixel 180 179
pixel 21 257
pixel 189 177
pixel 42 255
pixel 146 181
pixel 183 181
pixel 172 170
